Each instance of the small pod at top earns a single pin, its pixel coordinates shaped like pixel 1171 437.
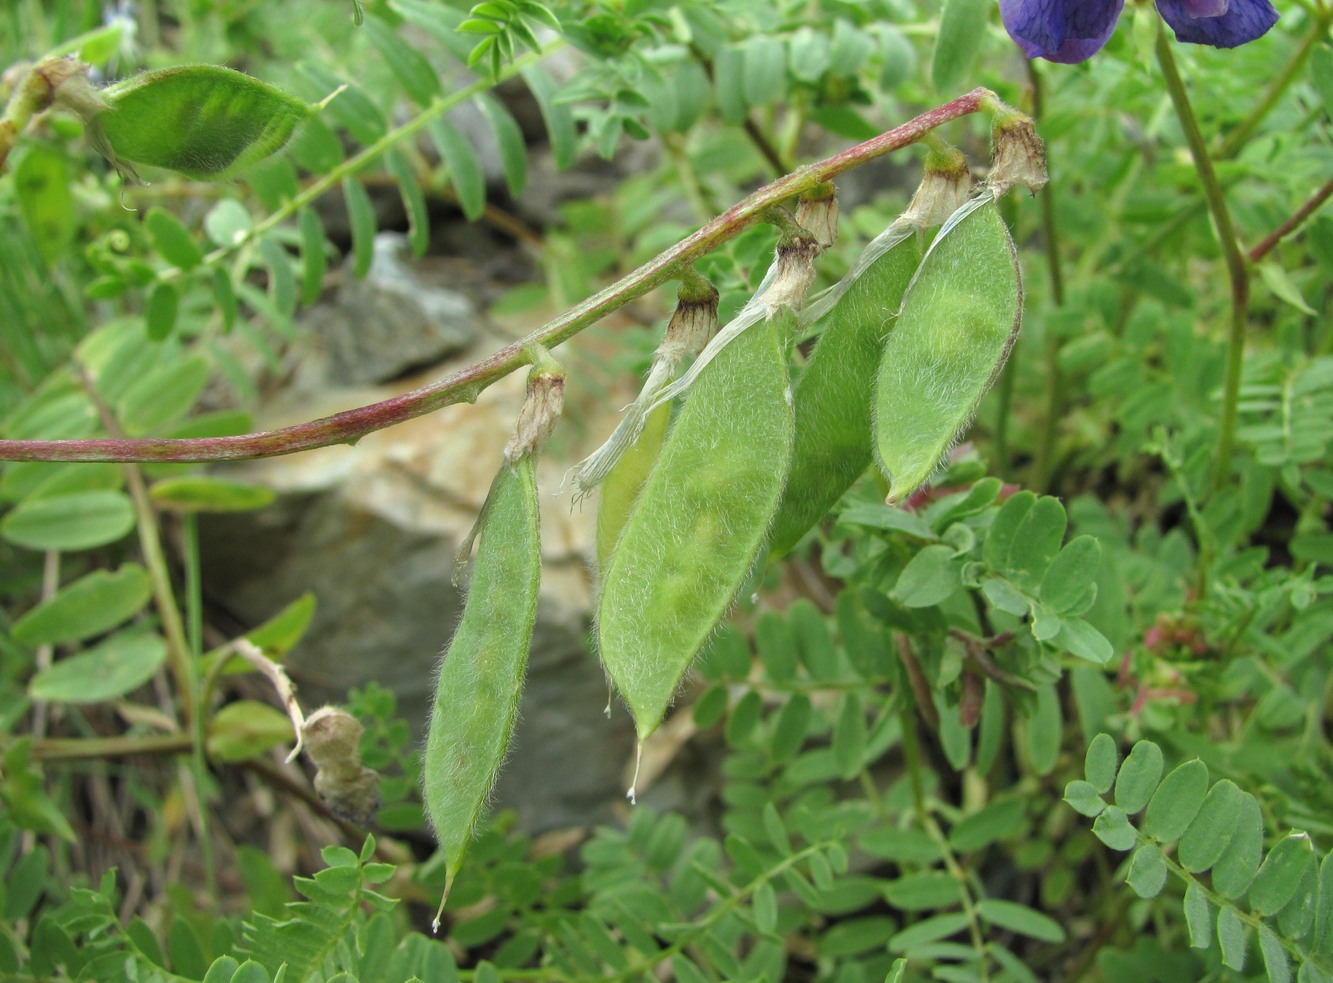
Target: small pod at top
pixel 959 319
pixel 699 521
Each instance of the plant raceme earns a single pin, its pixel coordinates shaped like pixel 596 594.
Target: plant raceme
pixel 1072 31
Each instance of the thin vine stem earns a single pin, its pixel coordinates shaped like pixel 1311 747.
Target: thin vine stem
pixel 1297 219
pixel 1237 271
pixel 467 384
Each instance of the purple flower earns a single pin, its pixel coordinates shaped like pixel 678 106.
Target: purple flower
pixel 1071 31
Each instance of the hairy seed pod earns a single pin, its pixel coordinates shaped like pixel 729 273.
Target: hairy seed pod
pixel 622 484
pixel 699 521
pixel 832 412
pixel 204 121
pixel 959 319
pixel 481 675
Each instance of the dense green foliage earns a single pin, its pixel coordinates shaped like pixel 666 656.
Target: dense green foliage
pixel 921 711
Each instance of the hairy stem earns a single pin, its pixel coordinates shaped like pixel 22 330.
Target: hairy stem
pixel 468 383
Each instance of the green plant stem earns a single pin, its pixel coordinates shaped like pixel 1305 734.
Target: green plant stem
pixel 194 591
pixel 96 748
pixel 180 654
pixel 1277 88
pixel 1055 388
pixel 1237 272
pixel 912 753
pixel 467 384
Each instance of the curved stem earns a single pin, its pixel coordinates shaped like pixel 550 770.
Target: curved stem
pixel 1237 272
pixel 467 384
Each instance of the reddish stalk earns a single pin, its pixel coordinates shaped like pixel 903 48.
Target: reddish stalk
pixel 465 385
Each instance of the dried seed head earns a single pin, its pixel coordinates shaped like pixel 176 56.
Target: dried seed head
pixel 541 409
pixel 793 273
pixel 946 185
pixel 67 79
pixel 817 211
pixel 332 739
pixel 1018 155
pixel 692 324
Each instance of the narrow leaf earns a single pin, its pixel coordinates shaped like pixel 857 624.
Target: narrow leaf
pixel 1100 763
pixel 958 42
pixel 409 66
pixel 314 263
pixel 1276 962
pixel 559 120
pixel 1198 916
pixel 89 606
pixel 465 171
pixel 361 217
pixel 509 141
pixel 113 668
pixel 414 201
pixel 70 522
pixel 1231 936
pixel 1021 919
pixel 161 309
pixel 1323 937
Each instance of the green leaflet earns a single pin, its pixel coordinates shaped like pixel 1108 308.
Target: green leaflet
pixel 699 521
pixel 959 319
pixel 832 446
pixel 204 121
pixel 481 675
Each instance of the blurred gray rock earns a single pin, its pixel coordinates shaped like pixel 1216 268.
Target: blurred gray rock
pixel 372 531
pixel 391 322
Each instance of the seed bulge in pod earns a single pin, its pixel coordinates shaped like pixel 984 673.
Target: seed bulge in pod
pixel 959 319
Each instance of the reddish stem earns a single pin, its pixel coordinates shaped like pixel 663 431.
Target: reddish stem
pixel 1291 224
pixel 464 386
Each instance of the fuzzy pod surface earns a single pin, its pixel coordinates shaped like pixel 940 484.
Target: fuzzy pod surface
pixel 833 395
pixel 959 319
pixel 204 121
pixel 700 520
pixel 481 674
pixel 622 484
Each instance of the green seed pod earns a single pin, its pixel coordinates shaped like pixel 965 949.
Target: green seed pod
pixel 622 484
pixel 699 521
pixel 481 675
pixel 204 121
pixel 832 412
pixel 959 319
